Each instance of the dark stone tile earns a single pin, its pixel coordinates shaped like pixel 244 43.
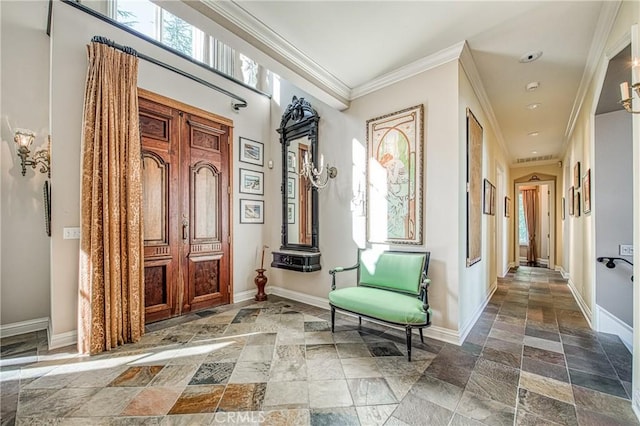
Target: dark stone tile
pixel 212 373
pixel 606 405
pixel 589 343
pixel 471 348
pixel 178 338
pixel 383 349
pixel 493 388
pixel 246 315
pixel 453 365
pixel 437 391
pixel 620 358
pixel 504 346
pixel 598 383
pixel 545 369
pixel 206 313
pixel 599 365
pixel 587 418
pixel 505 358
pixel 542 334
pixel 543 355
pixel 497 371
pixel 242 397
pixel 525 418
pixel 317 326
pixel 547 408
pixel 334 416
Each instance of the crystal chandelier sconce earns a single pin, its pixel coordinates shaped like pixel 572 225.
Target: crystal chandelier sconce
pixel 42 157
pixel 319 178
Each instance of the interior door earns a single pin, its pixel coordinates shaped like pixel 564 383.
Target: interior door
pixel 186 207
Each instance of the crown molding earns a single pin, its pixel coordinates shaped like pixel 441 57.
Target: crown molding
pixel 469 67
pixel 244 24
pixel 605 23
pixel 421 65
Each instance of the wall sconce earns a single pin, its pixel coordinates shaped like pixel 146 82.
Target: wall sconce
pixel 24 139
pixel 317 178
pixel 626 96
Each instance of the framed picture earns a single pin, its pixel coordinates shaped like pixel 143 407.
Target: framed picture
pixel 487 197
pixel 571 201
pixel 586 190
pixel 291 213
pixel 251 182
pixel 507 206
pixel 576 203
pixel 291 188
pixel 576 175
pixel 291 161
pixel 562 211
pixel 251 211
pixel 474 189
pixel 251 151
pixel 394 174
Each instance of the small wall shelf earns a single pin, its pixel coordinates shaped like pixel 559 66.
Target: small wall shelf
pixel 296 260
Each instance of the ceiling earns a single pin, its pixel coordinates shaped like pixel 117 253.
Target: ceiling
pixel 354 45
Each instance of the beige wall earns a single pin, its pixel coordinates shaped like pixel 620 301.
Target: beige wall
pixel 478 281
pixel 24 271
pixel 72 31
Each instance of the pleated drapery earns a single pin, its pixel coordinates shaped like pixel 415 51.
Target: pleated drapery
pixel 111 299
pixel 529 197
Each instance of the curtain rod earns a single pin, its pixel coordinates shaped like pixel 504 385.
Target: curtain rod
pixel 131 51
pixel 135 33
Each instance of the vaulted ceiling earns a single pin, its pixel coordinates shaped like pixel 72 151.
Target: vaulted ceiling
pixel 351 47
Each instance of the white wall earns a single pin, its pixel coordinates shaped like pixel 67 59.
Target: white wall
pixel 72 30
pixel 25 250
pixel 613 213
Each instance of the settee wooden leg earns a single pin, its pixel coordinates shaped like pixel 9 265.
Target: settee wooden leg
pixel 421 337
pixel 408 331
pixel 333 318
pixel 359 321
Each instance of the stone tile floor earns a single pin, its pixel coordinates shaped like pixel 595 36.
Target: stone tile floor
pixel 530 359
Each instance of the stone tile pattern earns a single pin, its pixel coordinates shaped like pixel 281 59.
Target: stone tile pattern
pixel 531 358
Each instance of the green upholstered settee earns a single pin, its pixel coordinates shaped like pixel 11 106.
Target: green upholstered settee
pixel 391 287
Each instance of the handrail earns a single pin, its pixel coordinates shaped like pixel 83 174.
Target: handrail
pixel 611 262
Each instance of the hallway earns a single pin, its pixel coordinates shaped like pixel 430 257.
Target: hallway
pixel 530 359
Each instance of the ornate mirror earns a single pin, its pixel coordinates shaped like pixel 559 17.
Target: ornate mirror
pixel 299 140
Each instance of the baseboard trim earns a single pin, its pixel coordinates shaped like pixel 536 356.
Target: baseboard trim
pixel 466 329
pixel 606 322
pixel 586 311
pixel 635 402
pixel 564 273
pixel 23 327
pixel 63 339
pixel 244 295
pixel 434 332
pixel 319 302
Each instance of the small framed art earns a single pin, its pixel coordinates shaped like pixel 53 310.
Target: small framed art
pixel 251 182
pixel 586 190
pixel 251 211
pixel 291 213
pixel 507 206
pixel 291 188
pixel 251 151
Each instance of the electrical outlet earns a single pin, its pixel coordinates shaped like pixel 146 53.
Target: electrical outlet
pixel 71 233
pixel 626 250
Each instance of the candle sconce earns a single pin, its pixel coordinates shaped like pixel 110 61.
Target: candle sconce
pixel 626 95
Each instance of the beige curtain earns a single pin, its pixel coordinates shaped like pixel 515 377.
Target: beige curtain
pixel 111 299
pixel 529 197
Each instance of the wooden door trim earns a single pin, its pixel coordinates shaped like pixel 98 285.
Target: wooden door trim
pixel 190 109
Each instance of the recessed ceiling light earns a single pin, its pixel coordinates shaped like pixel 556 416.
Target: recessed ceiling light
pixel 532 86
pixel 530 56
pixel 534 152
pixel 534 105
pixel 533 133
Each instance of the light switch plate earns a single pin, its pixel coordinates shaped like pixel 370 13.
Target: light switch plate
pixel 626 250
pixel 71 233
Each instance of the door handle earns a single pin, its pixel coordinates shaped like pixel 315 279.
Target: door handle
pixel 185 228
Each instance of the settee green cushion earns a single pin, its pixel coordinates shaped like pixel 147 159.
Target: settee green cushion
pixel 394 271
pixel 381 304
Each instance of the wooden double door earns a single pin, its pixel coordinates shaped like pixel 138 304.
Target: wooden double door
pixel 186 192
